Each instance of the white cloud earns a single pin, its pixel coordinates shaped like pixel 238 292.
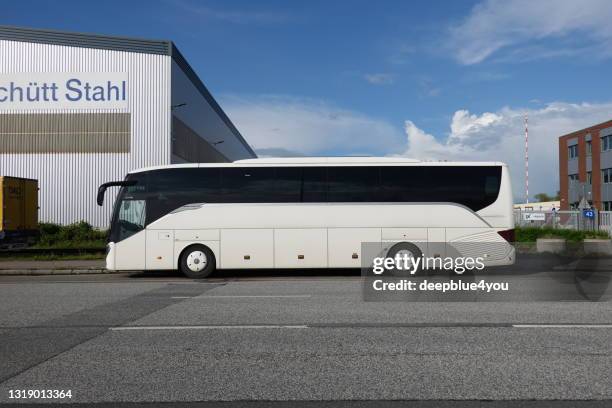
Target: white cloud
pixel 493 25
pixel 286 126
pixel 466 127
pixel 499 136
pixel 379 79
pixel 428 86
pixel 309 127
pixel 277 152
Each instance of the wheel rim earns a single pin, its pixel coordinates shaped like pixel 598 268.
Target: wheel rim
pixel 196 261
pixel 407 252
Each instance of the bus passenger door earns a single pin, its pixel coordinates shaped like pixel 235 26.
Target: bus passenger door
pixel 130 247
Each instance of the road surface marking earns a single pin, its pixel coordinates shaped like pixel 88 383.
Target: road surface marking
pixel 255 296
pixel 244 296
pixel 208 327
pixel 563 326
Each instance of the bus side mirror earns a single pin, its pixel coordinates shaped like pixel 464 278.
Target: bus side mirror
pixel 103 187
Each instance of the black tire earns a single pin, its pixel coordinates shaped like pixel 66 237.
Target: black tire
pixel 404 246
pixel 191 261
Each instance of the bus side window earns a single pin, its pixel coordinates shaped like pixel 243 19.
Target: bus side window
pixel 247 184
pixel 353 184
pixel 287 185
pixel 171 189
pixel 400 184
pixel 314 185
pixel 491 188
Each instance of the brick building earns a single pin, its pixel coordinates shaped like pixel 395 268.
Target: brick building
pixel 585 167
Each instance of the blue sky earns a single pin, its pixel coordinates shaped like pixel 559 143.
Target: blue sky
pixel 427 79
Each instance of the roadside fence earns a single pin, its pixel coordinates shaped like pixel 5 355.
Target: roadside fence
pixel 585 220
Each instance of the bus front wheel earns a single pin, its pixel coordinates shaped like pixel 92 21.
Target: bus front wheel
pixel 197 262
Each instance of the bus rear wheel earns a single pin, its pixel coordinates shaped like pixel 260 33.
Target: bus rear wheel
pixel 412 252
pixel 197 262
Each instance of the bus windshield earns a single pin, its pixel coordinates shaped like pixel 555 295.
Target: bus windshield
pixel 129 215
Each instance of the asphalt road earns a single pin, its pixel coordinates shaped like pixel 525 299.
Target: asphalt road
pixel 279 338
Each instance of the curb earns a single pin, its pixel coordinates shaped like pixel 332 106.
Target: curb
pixel 36 272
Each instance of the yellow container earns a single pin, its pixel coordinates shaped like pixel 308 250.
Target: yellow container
pixel 18 205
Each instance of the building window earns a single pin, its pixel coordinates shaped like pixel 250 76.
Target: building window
pixel 606 176
pixel 572 151
pixel 589 148
pixel 573 177
pixel 606 205
pixel 606 143
pixel 589 177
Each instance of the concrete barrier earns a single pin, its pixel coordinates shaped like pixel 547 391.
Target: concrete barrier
pixel 598 246
pixel 552 245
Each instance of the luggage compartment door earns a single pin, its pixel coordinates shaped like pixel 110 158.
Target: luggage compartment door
pixel 300 248
pixel 247 248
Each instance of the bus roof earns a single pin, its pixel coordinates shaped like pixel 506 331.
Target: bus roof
pixel 292 161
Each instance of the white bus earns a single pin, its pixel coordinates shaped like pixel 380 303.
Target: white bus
pixel 303 212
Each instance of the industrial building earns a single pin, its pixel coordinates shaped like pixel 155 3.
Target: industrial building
pixel 77 110
pixel 585 167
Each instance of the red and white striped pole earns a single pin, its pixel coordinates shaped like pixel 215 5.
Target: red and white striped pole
pixel 526 160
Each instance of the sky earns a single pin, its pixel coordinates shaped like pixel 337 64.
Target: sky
pixel 432 80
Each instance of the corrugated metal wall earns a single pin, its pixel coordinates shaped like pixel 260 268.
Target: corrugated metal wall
pixel 65 133
pixel 68 181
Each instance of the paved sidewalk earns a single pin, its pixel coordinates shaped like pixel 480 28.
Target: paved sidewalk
pixel 18 267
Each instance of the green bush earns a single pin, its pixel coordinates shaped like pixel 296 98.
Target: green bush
pixel 77 235
pixel 83 235
pixel 531 234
